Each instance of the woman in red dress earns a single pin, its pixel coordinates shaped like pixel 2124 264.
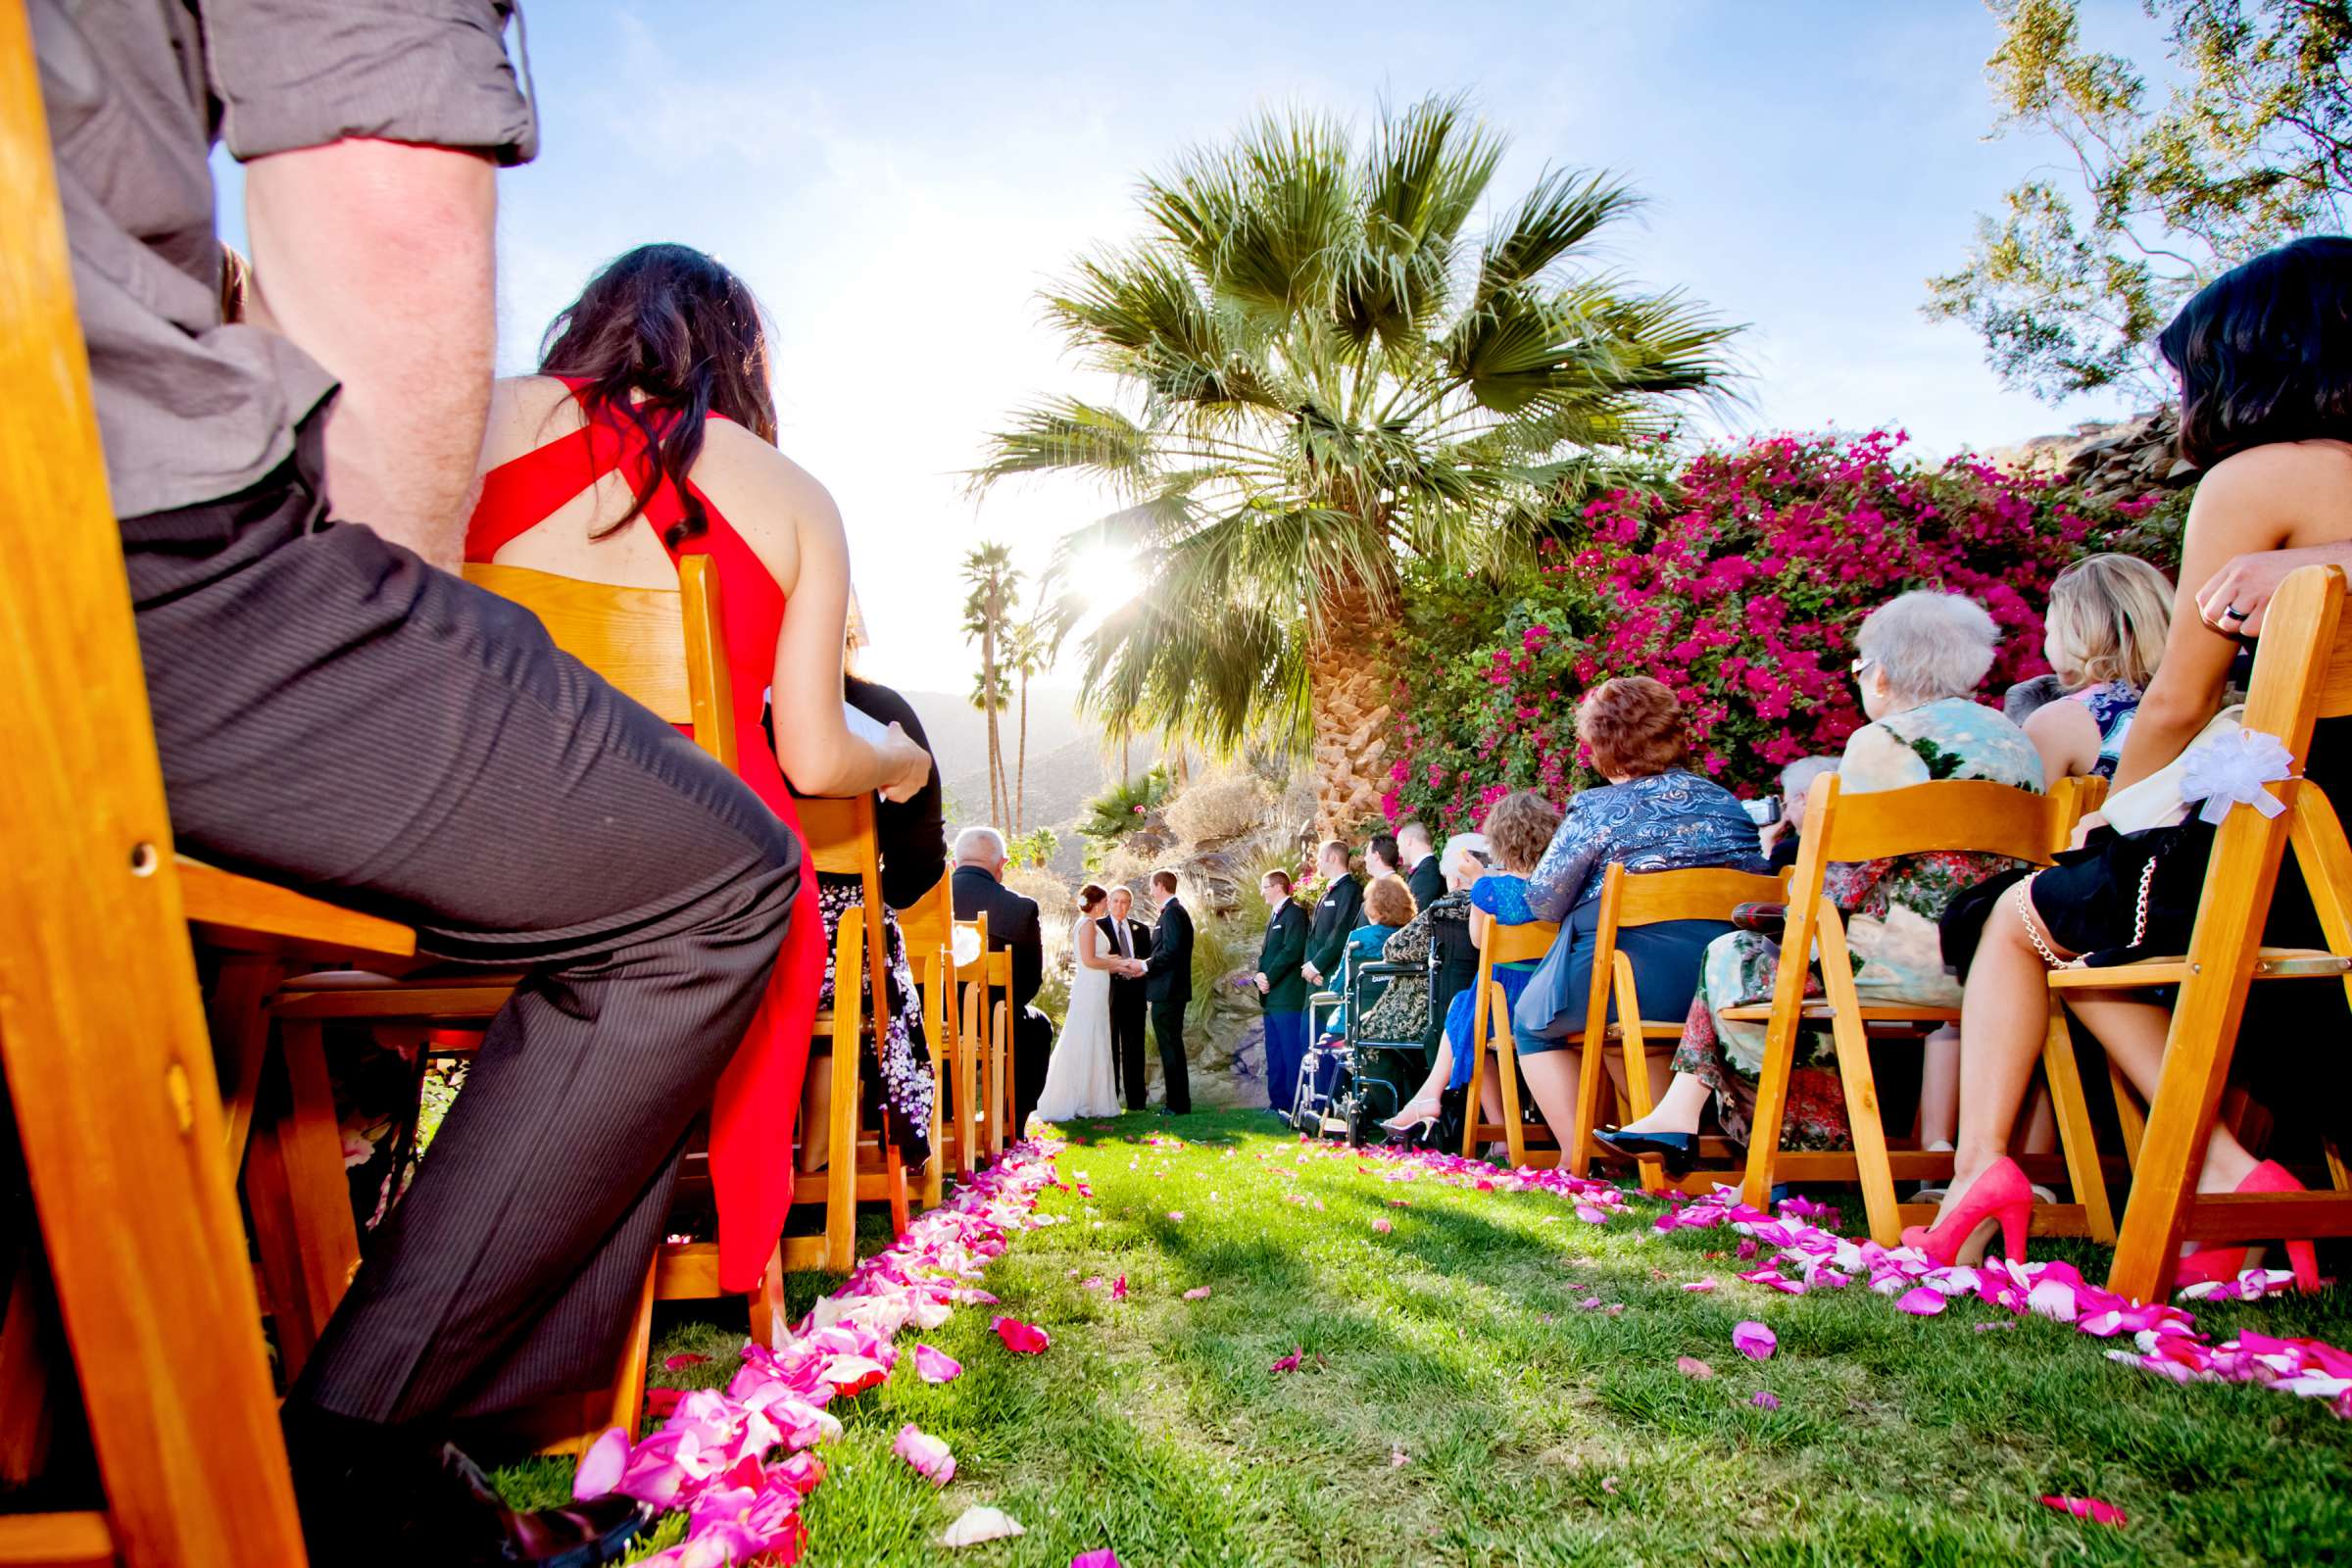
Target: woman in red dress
pixel 650 435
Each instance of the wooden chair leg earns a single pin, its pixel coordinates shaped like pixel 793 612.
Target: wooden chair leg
pixel 1636 1056
pixel 1580 1150
pixel 1506 1081
pixel 1473 1113
pixel 2076 1138
pixel 2128 1111
pixel 894 1169
pixel 237 1014
pixel 637 1350
pixel 1003 1069
pixel 303 1229
pixel 29 1347
pixel 1852 1039
pixel 767 1302
pixel 1779 1055
pixel 841 1174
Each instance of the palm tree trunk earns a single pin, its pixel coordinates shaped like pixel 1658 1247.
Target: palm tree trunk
pixel 988 677
pixel 1350 679
pixel 1021 778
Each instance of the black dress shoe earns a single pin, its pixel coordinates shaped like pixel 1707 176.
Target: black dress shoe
pixel 377 1495
pixel 1677 1152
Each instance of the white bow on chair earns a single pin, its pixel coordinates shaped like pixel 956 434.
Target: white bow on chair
pixel 2231 770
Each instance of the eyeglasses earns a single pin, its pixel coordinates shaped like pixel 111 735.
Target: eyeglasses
pixel 1862 666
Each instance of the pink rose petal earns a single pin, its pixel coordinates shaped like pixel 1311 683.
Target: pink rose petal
pixel 1118 1288
pixel 927 1454
pixel 1923 1301
pixel 1198 1293
pixel 1023 1339
pixel 1693 1366
pixel 1289 1363
pixel 935 1365
pixel 2091 1508
pixel 1766 1399
pixel 1102 1558
pixel 601 1466
pixel 1754 1340
pixel 672 1363
pixel 1381 1225
pixel 1701 1286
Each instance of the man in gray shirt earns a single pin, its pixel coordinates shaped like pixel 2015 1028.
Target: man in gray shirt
pixel 334 712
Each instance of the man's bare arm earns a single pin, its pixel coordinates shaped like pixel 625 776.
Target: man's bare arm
pixel 376 257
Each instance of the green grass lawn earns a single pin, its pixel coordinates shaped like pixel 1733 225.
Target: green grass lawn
pixel 1455 1405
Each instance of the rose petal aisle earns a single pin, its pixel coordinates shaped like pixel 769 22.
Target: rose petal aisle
pixel 739 1462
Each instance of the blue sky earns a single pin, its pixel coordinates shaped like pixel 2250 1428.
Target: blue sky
pixel 897 181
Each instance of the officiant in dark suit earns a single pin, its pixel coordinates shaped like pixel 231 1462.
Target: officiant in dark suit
pixel 1168 989
pixel 978 889
pixel 1129 938
pixel 1282 990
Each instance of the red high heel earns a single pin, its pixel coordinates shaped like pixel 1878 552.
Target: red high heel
pixel 2210 1264
pixel 2001 1193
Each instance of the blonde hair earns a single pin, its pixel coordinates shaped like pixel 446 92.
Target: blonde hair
pixel 2108 619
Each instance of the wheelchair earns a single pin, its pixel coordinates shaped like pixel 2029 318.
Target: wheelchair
pixel 1368 1079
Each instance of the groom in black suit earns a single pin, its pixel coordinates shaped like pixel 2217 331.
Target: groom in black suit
pixel 1129 938
pixel 1168 987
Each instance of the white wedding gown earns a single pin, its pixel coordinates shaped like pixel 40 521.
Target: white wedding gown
pixel 1078 1075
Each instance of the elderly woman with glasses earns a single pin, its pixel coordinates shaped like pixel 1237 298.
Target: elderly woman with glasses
pixel 1923 655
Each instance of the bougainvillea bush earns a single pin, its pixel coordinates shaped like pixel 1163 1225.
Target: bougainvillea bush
pixel 1741 586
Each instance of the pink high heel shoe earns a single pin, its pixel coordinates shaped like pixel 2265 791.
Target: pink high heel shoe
pixel 2001 1194
pixel 2210 1264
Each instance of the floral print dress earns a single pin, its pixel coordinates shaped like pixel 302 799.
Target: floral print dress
pixel 1892 908
pixel 901 1078
pixel 1402 1012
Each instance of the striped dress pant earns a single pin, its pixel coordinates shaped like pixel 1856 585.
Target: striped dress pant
pixel 335 715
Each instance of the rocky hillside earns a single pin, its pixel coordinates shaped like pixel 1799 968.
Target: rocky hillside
pixel 1067 762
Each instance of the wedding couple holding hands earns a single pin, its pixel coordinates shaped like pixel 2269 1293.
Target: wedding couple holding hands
pixel 1120 968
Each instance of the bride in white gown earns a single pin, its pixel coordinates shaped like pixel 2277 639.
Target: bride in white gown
pixel 1078 1075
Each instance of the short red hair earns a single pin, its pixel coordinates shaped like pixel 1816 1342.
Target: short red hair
pixel 1634 727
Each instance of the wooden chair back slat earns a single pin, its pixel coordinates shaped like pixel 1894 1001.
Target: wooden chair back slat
pixel 1955 814
pixel 104 1046
pixel 1654 898
pixel 662 646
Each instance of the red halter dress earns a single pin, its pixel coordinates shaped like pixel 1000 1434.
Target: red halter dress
pixel 759 1093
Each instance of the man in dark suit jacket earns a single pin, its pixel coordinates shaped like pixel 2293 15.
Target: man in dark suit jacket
pixel 1338 912
pixel 1282 990
pixel 1130 938
pixel 1168 988
pixel 1422 873
pixel 1012 926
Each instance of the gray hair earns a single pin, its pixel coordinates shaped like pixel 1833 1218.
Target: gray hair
pixel 1931 645
pixel 1457 857
pixel 1796 780
pixel 977 844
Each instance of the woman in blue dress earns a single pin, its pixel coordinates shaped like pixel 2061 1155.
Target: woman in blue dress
pixel 1519 827
pixel 1654 814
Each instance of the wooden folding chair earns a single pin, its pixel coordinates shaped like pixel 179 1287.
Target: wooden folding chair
pixel 1961 815
pixel 110 1075
pixel 988 1025
pixel 1637 899
pixel 2302 673
pixel 929 932
pixel 842 842
pixel 1490 1023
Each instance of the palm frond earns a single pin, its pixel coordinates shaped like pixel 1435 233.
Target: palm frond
pixel 1070 436
pixel 1563 211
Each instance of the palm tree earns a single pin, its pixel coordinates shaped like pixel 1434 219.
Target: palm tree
pixel 1322 377
pixel 988 615
pixel 1031 652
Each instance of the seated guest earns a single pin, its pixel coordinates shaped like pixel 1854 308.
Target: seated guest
pixel 283 528
pixel 1013 927
pixel 2106 625
pixel 1922 654
pixel 912 838
pixel 647 436
pixel 2261 353
pixel 1518 829
pixel 1779 836
pixel 1441 927
pixel 1654 815
pixel 1388 909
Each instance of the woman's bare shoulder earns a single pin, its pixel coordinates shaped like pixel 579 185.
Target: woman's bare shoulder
pixel 527 411
pixel 754 483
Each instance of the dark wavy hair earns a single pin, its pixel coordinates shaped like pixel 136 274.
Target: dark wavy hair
pixel 670 322
pixel 2265 352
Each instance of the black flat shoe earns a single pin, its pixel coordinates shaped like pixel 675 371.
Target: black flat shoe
pixel 1677 1152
